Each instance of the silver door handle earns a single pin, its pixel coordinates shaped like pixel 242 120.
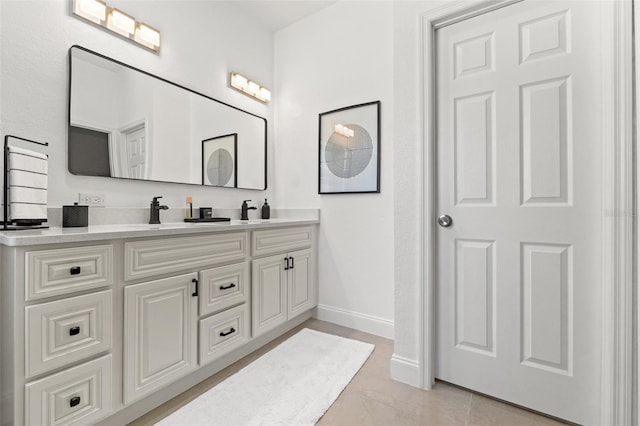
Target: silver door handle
pixel 445 220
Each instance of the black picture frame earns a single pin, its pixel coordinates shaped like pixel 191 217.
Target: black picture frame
pixel 221 147
pixel 349 150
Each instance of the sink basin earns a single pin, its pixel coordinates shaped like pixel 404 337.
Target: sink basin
pixel 174 225
pixel 144 226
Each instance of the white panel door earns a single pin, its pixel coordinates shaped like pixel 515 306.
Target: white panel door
pixel 519 172
pixel 160 334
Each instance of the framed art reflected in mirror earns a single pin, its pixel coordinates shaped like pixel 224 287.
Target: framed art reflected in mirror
pixel 220 161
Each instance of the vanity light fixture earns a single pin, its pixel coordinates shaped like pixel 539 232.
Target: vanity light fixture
pixel 343 130
pixel 250 88
pixel 148 36
pixel 92 10
pixel 117 21
pixel 122 23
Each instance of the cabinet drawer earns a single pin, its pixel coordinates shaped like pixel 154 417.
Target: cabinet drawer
pixel 59 333
pixel 79 395
pixel 63 271
pixel 223 332
pixel 223 287
pixel 281 240
pixel 154 257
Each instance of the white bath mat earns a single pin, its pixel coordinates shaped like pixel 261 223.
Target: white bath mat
pixel 293 384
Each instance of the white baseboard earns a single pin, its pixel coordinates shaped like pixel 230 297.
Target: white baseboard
pixel 362 322
pixel 405 370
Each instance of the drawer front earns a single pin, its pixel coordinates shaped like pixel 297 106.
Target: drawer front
pixel 63 271
pixel 155 257
pixel 79 395
pixel 61 332
pixel 281 240
pixel 223 332
pixel 223 287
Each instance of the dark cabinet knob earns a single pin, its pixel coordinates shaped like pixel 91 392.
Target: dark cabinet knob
pixel 74 330
pixel 74 401
pixel 75 270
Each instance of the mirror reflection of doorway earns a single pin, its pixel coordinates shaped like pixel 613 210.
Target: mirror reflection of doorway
pixel 132 152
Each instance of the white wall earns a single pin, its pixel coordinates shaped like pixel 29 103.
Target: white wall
pixel 338 57
pixel 201 43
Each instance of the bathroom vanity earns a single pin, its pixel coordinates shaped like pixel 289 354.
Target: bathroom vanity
pixel 102 324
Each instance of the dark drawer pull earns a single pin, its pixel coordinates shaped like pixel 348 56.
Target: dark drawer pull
pixel 75 270
pixel 223 334
pixel 74 401
pixel 74 330
pixel 195 293
pixel 227 287
pixel 292 263
pixel 286 264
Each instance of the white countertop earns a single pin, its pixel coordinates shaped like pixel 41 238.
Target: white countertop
pixel 57 235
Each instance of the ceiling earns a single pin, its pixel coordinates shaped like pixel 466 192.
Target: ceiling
pixel 277 14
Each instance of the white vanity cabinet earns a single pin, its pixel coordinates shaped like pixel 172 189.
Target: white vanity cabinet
pixel 57 322
pixel 99 329
pixel 161 316
pixel 284 285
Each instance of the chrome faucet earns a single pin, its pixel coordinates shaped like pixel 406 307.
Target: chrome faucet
pixel 154 211
pixel 244 211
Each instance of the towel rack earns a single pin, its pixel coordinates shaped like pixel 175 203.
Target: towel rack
pixel 8 225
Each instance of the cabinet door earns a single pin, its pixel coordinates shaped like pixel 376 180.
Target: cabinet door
pixel 301 283
pixel 269 294
pixel 160 334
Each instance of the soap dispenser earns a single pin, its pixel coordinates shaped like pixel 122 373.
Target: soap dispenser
pixel 266 210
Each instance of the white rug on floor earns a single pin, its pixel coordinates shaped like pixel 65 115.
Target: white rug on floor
pixel 293 384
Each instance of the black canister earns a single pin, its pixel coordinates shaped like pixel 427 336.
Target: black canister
pixel 266 210
pixel 75 216
pixel 206 212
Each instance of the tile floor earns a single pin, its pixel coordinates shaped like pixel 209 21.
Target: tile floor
pixel 372 398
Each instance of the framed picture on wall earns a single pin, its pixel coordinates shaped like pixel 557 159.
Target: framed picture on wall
pixel 220 161
pixel 349 150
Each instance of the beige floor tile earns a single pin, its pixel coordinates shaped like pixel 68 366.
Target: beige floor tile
pixel 355 408
pixel 372 398
pixel 488 411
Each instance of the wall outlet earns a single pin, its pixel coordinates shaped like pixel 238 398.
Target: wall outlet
pixel 93 200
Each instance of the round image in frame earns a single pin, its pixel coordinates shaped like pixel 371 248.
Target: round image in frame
pixel 347 157
pixel 219 167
